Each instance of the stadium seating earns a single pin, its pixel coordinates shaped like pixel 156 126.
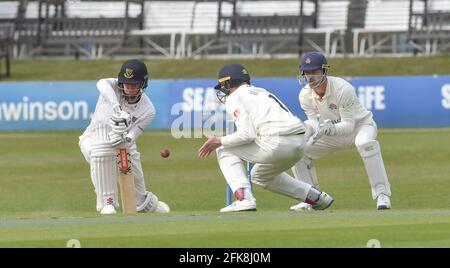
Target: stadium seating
pixel 191 26
pixel 6 34
pixel 90 28
pixel 104 9
pixel 387 26
pixel 178 29
pixel 8 10
pixel 429 30
pixel 258 20
pixel 331 24
pixel 322 29
pixel 166 19
pixel 385 21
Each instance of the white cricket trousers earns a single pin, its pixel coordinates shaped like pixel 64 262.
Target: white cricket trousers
pixel 364 139
pixel 271 157
pixel 330 144
pixel 139 182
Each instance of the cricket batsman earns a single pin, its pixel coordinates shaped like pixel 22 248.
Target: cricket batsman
pixel 339 122
pixel 122 113
pixel 268 135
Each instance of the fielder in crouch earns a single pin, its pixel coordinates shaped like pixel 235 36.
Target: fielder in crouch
pixel 339 121
pixel 268 135
pixel 122 113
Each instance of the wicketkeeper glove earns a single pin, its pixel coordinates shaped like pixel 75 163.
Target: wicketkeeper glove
pixel 325 128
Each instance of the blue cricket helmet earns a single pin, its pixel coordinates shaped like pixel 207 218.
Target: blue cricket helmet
pixel 313 61
pixel 232 73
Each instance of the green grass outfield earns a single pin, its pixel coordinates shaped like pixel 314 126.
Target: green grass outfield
pixel 47 198
pixel 26 70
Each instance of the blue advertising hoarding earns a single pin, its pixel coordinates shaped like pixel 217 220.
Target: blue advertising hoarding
pixel 409 101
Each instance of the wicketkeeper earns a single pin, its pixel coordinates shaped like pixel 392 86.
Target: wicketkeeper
pixel 268 135
pixel 122 113
pixel 339 121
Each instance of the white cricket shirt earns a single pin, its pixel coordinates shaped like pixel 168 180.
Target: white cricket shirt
pixel 256 113
pixel 340 104
pixel 142 112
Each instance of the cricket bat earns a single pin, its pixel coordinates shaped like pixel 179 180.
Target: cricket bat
pixel 126 182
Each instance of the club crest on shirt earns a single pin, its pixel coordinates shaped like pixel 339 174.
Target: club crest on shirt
pixel 236 113
pixel 332 106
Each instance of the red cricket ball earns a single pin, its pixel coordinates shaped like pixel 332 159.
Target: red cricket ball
pixel 165 153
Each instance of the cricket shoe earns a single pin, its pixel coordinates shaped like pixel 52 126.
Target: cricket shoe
pixel 108 209
pixel 324 202
pixel 302 207
pixel 162 207
pixel 383 202
pixel 243 205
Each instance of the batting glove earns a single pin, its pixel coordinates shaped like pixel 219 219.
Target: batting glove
pixel 120 122
pixel 115 139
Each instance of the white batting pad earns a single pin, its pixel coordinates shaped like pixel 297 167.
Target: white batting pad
pixel 139 181
pixel 371 155
pixel 104 171
pixel 305 170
